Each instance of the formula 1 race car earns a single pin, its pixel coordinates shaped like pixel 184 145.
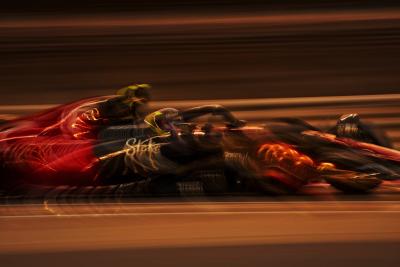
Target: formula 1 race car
pixel 75 146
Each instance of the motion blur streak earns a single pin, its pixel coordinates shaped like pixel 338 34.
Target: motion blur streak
pixel 193 50
pixel 282 19
pixel 81 227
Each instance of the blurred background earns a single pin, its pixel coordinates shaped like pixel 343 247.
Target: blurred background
pixel 54 52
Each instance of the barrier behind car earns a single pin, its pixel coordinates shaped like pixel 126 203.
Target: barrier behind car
pixel 380 110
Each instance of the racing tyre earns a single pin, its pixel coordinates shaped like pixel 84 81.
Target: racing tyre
pixel 352 182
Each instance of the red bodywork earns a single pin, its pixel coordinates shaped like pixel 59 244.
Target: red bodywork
pixel 52 147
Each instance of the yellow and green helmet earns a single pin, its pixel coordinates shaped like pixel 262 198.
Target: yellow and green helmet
pixel 140 91
pixel 160 121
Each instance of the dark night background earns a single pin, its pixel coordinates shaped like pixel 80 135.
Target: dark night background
pixel 53 52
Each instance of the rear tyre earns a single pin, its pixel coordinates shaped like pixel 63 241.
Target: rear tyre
pixel 354 183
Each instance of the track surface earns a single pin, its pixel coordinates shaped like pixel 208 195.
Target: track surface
pixel 200 232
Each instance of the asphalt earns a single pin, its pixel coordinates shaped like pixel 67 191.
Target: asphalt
pixel 201 231
pixel 324 254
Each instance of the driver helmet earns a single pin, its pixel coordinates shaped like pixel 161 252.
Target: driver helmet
pixel 348 125
pixel 136 92
pixel 162 121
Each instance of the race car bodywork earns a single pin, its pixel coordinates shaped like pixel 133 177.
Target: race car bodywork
pixel 71 145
